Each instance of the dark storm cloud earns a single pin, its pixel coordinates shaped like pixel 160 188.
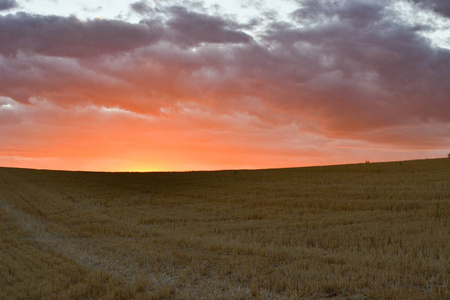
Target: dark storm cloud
pixel 70 37
pixel 441 7
pixel 7 4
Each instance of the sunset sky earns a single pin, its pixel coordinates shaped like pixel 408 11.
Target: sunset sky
pixel 205 85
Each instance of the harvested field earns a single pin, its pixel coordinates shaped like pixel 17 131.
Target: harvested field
pixel 366 231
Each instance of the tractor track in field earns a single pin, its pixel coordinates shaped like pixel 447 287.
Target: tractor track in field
pixel 35 231
pixel 40 232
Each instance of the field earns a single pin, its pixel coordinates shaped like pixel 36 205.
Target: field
pixel 364 231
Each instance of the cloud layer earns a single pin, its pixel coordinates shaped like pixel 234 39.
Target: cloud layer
pixel 340 81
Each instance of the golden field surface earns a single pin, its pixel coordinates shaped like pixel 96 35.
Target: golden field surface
pixel 364 231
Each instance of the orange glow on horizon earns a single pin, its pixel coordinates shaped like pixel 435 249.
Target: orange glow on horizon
pixel 183 139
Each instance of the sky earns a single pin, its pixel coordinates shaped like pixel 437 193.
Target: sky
pixel 206 85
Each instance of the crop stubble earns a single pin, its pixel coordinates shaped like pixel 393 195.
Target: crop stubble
pixel 346 232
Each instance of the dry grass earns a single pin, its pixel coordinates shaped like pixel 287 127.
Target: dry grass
pixel 367 231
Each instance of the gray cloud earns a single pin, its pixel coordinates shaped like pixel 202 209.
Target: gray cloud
pixel 141 8
pixel 191 28
pixel 366 69
pixel 441 7
pixel 7 4
pixel 70 37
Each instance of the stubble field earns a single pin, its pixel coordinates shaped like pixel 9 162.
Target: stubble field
pixel 365 231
